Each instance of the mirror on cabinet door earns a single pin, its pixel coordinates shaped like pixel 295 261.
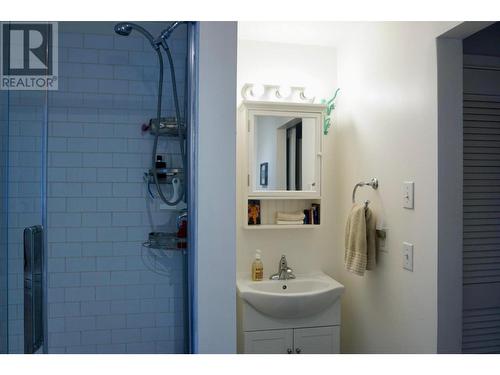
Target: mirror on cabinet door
pixel 284 153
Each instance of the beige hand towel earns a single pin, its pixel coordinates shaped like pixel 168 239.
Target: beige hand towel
pixel 290 216
pixel 290 222
pixel 360 251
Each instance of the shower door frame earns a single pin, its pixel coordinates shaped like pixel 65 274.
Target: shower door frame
pixel 192 146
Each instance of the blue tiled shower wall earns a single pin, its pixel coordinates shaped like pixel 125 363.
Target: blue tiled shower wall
pixel 106 292
pixel 4 142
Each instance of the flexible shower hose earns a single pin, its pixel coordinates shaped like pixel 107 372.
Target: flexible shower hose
pixel 177 120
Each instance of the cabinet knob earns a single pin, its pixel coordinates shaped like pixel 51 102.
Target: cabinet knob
pixel 289 351
pixel 298 350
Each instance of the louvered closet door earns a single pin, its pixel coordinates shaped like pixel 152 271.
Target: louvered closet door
pixel 481 205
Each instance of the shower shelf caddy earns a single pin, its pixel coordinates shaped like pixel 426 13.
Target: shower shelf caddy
pixel 169 172
pixel 168 128
pixel 165 241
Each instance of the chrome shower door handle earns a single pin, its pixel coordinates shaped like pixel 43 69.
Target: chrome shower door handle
pixel 33 293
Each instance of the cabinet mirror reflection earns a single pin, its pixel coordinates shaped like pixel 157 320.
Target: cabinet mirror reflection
pixel 285 153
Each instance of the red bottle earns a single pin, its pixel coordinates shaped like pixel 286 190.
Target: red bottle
pixel 182 233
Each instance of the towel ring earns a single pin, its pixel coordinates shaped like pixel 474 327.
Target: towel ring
pixel 373 183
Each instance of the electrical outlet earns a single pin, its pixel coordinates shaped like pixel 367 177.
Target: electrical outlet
pixel 382 239
pixel 408 256
pixel 408 194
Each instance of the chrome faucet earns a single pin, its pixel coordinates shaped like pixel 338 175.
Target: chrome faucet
pixel 284 272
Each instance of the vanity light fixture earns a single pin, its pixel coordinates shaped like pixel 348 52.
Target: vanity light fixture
pixel 291 94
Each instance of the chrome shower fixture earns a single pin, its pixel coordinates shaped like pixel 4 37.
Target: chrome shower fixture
pixel 125 28
pixel 165 34
pixel 158 126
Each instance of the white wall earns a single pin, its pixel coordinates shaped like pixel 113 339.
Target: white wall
pixel 288 64
pixel 215 304
pixel 388 130
pixel 315 68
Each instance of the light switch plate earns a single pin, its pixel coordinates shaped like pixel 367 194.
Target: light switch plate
pixel 408 256
pixel 408 194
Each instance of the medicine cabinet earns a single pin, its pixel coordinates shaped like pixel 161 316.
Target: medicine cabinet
pixel 283 150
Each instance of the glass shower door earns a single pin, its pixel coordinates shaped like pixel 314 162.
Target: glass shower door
pixel 4 133
pixel 26 203
pixel 73 161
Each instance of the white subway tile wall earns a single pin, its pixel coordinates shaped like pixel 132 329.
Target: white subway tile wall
pixel 103 296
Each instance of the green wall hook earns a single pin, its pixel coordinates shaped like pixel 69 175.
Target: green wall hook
pixel 330 106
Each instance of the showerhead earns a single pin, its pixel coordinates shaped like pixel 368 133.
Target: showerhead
pixel 125 28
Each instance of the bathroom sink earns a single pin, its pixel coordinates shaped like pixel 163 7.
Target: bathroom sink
pixel 305 295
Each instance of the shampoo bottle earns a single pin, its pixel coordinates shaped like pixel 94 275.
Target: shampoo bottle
pixel 257 267
pixel 160 168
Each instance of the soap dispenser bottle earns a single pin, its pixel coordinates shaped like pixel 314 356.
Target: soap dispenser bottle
pixel 257 267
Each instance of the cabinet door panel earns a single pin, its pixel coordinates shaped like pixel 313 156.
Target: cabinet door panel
pixel 318 340
pixel 269 342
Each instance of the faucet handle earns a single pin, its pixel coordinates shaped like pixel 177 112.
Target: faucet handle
pixel 283 262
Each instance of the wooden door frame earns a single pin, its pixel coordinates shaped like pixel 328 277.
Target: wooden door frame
pixel 450 184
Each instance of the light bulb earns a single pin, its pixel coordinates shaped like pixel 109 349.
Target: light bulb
pixel 246 91
pixel 283 92
pixel 307 95
pixel 257 90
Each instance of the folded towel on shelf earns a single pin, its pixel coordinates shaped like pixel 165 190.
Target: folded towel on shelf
pixel 289 222
pixel 360 242
pixel 290 216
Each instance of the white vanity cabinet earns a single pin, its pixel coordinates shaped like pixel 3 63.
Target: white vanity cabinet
pixel 259 333
pixel 317 340
pixel 276 341
pixel 314 340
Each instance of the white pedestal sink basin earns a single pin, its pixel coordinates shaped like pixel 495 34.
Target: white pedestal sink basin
pixel 305 295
